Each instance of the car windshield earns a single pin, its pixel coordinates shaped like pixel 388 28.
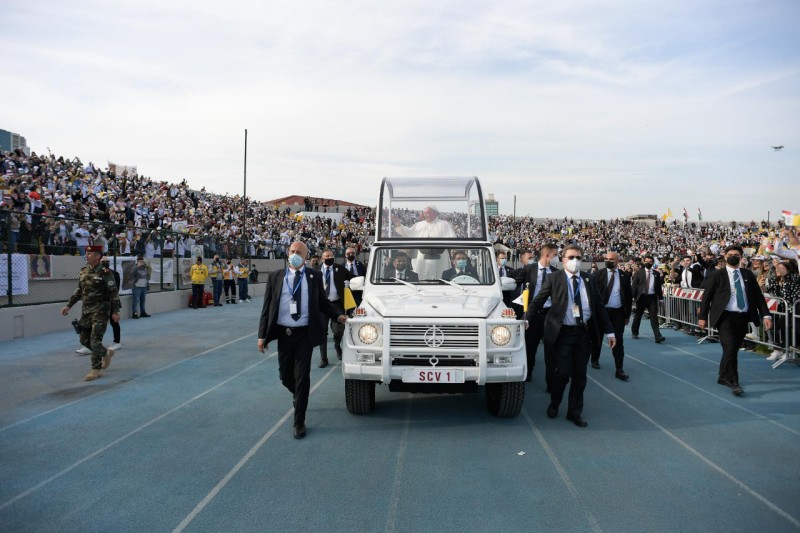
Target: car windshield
pixel 431 209
pixel 464 266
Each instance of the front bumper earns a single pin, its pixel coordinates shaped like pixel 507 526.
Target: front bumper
pixel 481 360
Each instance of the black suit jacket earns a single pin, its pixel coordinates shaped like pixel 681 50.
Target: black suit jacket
pixel 698 275
pixel 638 283
pixel 340 275
pixel 556 286
pixel 718 293
pixel 410 276
pixel 530 274
pixel 601 277
pixel 508 296
pixel 361 270
pixel 268 328
pixel 450 273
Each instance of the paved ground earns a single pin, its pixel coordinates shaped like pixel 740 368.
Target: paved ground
pixel 190 429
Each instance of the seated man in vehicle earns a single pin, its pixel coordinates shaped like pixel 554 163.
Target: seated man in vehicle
pixel 400 268
pixel 461 267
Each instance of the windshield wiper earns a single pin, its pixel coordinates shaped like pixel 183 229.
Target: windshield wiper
pixel 453 284
pixel 405 283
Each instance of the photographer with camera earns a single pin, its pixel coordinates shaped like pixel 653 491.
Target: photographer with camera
pixel 229 282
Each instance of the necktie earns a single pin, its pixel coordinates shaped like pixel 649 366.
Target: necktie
pixel 609 287
pixel 576 294
pixel 400 275
pixel 647 282
pixel 502 272
pixel 297 292
pixel 737 282
pixel 327 281
pixel 352 268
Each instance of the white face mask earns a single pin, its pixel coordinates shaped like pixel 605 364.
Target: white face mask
pixel 554 262
pixel 573 265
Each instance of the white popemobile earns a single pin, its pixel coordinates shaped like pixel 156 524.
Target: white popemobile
pixel 432 317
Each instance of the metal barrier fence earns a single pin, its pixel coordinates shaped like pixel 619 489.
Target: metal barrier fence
pixel 681 308
pixel 41 256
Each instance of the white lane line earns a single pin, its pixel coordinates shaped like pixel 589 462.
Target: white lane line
pixel 720 398
pixel 561 472
pixel 712 361
pixel 394 502
pixel 703 458
pixel 53 410
pixel 233 471
pixel 122 438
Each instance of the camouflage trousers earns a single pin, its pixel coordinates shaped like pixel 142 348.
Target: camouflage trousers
pixel 93 327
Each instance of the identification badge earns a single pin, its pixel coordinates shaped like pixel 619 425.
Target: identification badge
pixel 576 311
pixel 293 308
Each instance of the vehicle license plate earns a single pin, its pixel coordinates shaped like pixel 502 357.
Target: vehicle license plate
pixel 433 375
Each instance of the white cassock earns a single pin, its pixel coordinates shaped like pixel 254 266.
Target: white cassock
pixel 429 266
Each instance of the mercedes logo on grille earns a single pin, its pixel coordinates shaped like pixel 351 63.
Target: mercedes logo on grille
pixel 433 337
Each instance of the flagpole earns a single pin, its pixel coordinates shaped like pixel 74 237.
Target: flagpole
pixel 244 200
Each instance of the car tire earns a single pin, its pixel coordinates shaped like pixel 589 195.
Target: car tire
pixel 505 399
pixel 359 396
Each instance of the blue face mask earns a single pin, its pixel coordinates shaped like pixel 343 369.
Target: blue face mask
pixel 502 262
pixel 295 260
pixel 461 264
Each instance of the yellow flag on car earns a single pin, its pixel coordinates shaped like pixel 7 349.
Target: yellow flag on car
pixel 349 301
pixel 525 295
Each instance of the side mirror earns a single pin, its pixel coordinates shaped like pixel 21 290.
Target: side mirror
pixel 508 284
pixel 357 283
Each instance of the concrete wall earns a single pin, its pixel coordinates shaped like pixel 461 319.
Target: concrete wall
pixel 32 320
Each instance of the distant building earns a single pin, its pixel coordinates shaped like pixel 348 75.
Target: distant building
pixel 298 203
pixel 643 219
pixel 11 141
pixel 492 207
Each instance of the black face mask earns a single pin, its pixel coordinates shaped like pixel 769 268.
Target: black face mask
pixel 328 261
pixel 648 265
pixel 733 260
pixel 351 257
pixel 610 264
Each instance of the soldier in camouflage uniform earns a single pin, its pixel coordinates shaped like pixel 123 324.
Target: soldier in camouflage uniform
pixel 98 292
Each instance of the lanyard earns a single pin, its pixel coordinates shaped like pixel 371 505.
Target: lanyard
pixel 297 281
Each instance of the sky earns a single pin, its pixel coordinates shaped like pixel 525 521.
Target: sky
pixel 594 109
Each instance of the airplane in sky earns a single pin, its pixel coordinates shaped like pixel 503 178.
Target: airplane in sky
pixel 777 148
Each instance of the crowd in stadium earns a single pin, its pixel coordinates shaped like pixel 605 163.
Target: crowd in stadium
pixel 62 205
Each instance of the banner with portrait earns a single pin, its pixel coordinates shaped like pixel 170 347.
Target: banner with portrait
pixel 40 267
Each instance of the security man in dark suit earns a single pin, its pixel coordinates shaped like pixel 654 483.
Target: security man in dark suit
pixel 533 275
pixel 647 288
pixel 731 299
pixel 356 268
pixel 576 316
pixel 400 268
pixel 614 287
pixel 505 271
pixel 293 301
pixel 333 278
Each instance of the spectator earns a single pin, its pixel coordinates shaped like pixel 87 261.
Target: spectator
pixel 140 279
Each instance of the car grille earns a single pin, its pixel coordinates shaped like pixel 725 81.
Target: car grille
pixel 448 336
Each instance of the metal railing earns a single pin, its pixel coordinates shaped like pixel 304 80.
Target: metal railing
pixel 41 256
pixel 681 308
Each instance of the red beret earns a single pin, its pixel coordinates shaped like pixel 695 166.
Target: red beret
pixel 95 248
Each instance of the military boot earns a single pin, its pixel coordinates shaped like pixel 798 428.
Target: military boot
pixel 107 359
pixel 93 375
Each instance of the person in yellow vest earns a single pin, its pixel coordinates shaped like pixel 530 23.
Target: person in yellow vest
pixel 199 274
pixel 229 282
pixel 243 274
pixel 216 280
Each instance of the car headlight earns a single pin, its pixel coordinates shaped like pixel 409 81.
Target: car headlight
pixel 368 333
pixel 501 335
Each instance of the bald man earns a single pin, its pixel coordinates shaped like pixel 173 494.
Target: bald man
pixel 294 300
